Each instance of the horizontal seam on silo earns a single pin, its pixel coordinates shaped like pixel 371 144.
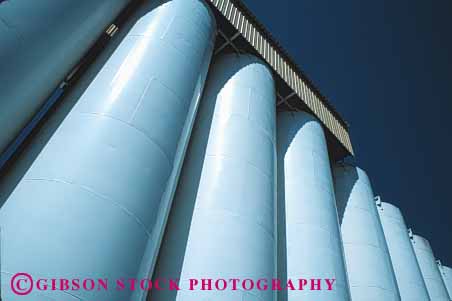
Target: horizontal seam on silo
pixel 66 292
pixel 269 176
pixel 329 231
pixel 230 213
pixel 270 209
pixel 100 196
pixel 375 286
pixel 269 135
pixel 421 284
pixel 393 218
pixel 432 278
pixel 402 249
pixel 358 208
pixel 137 129
pixel 362 244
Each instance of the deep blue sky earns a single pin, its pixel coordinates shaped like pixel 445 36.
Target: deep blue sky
pixel 386 66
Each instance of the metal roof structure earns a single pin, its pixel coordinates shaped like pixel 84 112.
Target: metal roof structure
pixel 240 31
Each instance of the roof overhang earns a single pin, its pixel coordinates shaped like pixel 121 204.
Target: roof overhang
pixel 240 31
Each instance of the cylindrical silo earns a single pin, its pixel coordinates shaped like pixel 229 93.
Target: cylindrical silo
pixel 221 225
pixel 430 272
pixel 94 202
pixel 406 268
pixel 446 274
pixel 369 266
pixel 40 41
pixel 309 239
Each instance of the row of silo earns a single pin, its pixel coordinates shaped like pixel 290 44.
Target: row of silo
pixel 308 230
pixel 137 180
pixel 406 268
pixel 430 271
pixel 385 261
pixel 222 221
pixel 446 274
pixel 368 261
pixel 95 200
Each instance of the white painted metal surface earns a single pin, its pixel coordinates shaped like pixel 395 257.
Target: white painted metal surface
pixel 432 277
pixel 369 266
pixel 40 41
pixel 94 202
pixel 309 237
pixel 222 221
pixel 446 274
pixel 408 274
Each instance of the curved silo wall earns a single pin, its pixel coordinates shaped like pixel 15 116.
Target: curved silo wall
pixel 99 191
pixel 309 237
pixel 408 274
pixel 430 272
pixel 222 221
pixel 40 42
pixel 446 274
pixel 367 257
